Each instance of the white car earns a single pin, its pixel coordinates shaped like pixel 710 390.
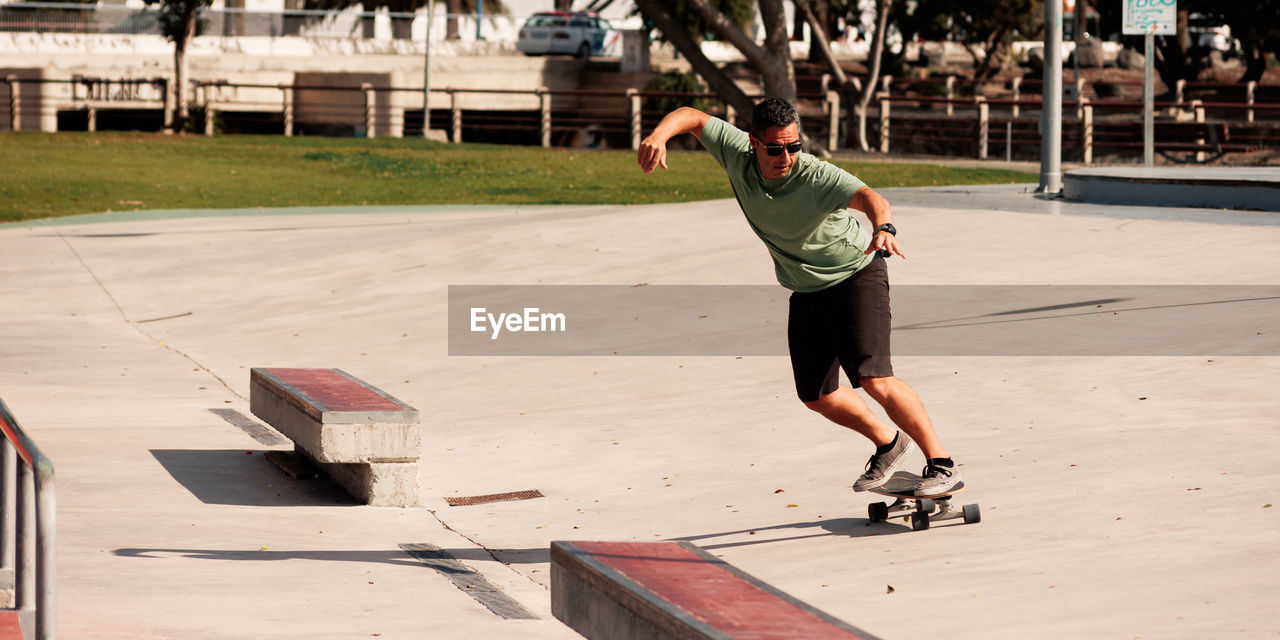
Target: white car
pixel 580 34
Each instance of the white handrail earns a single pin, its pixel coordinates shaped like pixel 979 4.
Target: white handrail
pixel 28 525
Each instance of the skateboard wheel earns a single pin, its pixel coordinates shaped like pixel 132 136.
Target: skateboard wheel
pixel 878 511
pixel 925 505
pixel 971 514
pixel 919 521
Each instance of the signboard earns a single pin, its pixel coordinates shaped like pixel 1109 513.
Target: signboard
pixel 1156 17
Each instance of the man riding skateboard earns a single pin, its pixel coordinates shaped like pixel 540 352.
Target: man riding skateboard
pixel 839 308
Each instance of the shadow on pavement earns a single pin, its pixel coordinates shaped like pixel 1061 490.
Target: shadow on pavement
pixel 849 527
pixel 387 556
pixel 245 478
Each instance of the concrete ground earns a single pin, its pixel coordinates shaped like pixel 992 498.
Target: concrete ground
pixel 1122 496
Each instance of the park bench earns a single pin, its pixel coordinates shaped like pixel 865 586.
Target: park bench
pixel 651 590
pixel 1192 141
pixel 361 437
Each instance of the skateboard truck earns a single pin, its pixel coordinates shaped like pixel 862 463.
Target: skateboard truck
pixel 922 509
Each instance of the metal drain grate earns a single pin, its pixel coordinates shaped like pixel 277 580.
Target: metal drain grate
pixel 469 581
pixel 467 501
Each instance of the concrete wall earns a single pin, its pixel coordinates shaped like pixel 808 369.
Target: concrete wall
pixel 282 61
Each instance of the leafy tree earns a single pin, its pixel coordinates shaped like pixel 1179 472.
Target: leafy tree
pixel 987 29
pixel 674 82
pixel 1255 25
pixel 824 21
pixel 1180 58
pixel 848 86
pixel 739 12
pixel 179 23
pixel 772 59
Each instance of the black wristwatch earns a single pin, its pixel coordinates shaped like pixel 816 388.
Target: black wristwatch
pixel 888 227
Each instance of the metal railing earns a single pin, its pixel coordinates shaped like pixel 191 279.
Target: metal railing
pixel 973 123
pixel 617 118
pixel 373 112
pixel 28 537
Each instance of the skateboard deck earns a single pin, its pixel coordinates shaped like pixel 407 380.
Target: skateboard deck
pixel 923 510
pixel 902 485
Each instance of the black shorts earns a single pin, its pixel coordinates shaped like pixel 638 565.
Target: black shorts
pixel 843 326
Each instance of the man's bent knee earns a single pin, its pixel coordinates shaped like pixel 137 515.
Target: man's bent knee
pixel 878 387
pixel 825 404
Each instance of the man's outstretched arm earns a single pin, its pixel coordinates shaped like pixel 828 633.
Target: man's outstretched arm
pixel 878 212
pixel 653 149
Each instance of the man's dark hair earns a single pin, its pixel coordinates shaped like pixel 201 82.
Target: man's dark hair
pixel 772 112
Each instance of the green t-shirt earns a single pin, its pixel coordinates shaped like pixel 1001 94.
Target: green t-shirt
pixel 803 218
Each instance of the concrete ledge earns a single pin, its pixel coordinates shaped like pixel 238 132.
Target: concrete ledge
pixel 335 417
pixel 365 439
pixel 379 484
pixel 660 590
pixel 16 625
pixel 333 396
pixel 6 589
pixel 1213 187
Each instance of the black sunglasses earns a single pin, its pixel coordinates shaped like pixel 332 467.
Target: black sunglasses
pixel 776 149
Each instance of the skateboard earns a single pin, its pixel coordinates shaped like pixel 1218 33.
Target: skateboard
pixel 923 509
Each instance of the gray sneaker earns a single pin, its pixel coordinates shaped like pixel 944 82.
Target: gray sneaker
pixel 937 480
pixel 881 466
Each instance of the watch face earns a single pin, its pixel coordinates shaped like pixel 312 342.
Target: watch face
pixel 888 227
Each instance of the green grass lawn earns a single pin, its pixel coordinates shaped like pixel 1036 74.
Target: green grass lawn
pixel 44 175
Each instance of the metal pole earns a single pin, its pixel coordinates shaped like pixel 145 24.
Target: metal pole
pixel 46 560
pixel 426 76
pixel 1008 141
pixel 633 106
pixel 24 582
pixel 1051 111
pixel 370 110
pixel 833 119
pixel 884 122
pixel 1077 36
pixel 1148 103
pixel 984 124
pixel 546 117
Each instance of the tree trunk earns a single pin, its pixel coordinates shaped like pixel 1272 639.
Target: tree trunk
pixel 992 59
pixel 451 32
pixel 773 61
pixel 716 79
pixel 1172 60
pixel 847 88
pixel 181 104
pixel 823 45
pixel 873 74
pixel 821 42
pixel 779 74
pixel 818 16
pixel 1255 64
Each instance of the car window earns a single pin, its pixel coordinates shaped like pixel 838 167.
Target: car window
pixel 545 21
pixel 579 22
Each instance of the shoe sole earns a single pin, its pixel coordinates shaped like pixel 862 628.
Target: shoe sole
pixel 933 492
pixel 895 466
